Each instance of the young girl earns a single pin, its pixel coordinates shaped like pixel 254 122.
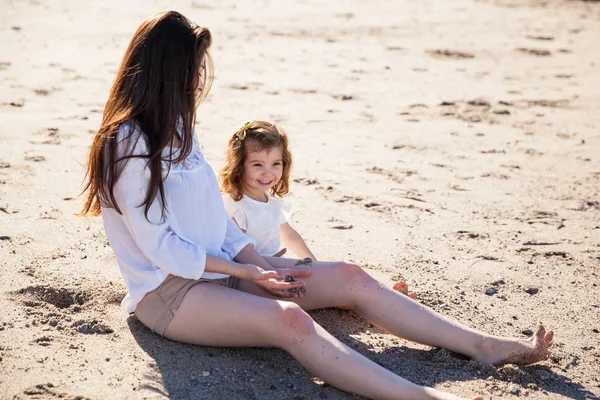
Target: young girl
pixel 255 177
pixel 192 275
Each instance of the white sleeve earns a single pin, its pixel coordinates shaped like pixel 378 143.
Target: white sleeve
pixel 235 211
pixel 154 236
pixel 235 239
pixel 285 211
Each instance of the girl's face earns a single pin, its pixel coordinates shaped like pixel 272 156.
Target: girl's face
pixel 262 171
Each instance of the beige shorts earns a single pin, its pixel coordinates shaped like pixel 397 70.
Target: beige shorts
pixel 158 307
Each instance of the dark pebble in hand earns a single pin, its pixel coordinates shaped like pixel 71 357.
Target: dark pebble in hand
pixel 299 289
pixel 289 278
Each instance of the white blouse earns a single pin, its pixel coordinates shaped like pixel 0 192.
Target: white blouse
pixel 195 222
pixel 260 220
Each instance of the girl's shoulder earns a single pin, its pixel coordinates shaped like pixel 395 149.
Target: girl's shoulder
pixel 235 210
pixel 275 199
pixel 230 204
pixel 284 206
pixel 227 199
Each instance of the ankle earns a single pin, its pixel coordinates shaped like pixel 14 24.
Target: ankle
pixel 484 348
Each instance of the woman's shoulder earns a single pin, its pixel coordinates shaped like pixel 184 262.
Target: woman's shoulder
pixel 128 129
pixel 130 139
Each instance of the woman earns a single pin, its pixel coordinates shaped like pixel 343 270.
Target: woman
pixel 194 277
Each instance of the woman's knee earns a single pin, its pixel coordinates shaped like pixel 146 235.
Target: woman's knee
pixel 291 322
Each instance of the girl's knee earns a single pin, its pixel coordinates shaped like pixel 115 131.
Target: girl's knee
pixel 353 273
pixel 358 283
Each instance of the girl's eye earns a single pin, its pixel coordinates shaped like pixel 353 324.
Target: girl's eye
pixel 256 165
pixel 277 163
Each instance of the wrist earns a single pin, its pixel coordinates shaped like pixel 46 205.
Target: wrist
pixel 232 268
pixel 240 270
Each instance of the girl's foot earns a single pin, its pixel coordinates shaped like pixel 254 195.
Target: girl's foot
pixel 518 351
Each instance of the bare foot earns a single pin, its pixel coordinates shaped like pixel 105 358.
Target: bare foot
pixel 519 351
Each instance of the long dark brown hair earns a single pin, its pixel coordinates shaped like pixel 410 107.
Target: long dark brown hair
pixel 155 89
pixel 254 136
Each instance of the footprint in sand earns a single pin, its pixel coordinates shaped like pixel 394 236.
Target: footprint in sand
pixel 474 111
pixel 303 91
pixel 494 174
pixel 46 92
pixel 92 327
pixel 35 158
pixel 534 52
pixel 16 103
pixel 343 97
pixel 458 188
pixel 53 136
pixel 306 181
pixel 543 38
pixel 60 298
pixel 397 175
pixel 532 152
pixel 471 235
pixel 43 341
pixel 450 54
pixel 493 151
pixel 48 391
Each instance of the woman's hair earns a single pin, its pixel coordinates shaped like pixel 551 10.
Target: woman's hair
pixel 155 88
pixel 254 136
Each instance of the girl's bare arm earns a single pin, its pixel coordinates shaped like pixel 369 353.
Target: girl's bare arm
pixel 294 241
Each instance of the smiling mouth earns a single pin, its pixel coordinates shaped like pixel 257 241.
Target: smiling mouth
pixel 265 183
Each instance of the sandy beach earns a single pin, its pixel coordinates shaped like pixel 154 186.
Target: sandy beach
pixel 452 145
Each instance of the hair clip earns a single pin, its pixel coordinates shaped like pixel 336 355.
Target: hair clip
pixel 241 133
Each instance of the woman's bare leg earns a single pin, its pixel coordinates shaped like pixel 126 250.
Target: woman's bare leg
pixel 347 285
pixel 214 315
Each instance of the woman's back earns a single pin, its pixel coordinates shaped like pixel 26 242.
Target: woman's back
pixel 182 237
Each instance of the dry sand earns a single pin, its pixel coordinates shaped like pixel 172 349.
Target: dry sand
pixel 454 145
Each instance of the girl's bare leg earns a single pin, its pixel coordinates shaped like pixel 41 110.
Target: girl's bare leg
pixel 347 285
pixel 213 315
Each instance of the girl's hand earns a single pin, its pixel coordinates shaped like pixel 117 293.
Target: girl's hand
pixel 253 273
pixel 298 271
pixel 280 252
pixel 272 281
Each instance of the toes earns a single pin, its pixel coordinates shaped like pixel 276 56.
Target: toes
pixel 548 338
pixel 540 332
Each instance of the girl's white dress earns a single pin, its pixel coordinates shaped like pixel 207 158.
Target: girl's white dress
pixel 260 220
pixel 194 225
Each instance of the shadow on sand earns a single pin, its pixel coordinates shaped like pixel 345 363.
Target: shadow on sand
pixel 188 371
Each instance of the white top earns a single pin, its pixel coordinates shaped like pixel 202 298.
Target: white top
pixel 260 220
pixel 195 223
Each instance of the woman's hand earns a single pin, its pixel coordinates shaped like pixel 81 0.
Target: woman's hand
pixel 273 281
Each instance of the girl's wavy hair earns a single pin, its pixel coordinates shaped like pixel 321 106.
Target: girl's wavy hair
pixel 254 136
pixel 155 88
